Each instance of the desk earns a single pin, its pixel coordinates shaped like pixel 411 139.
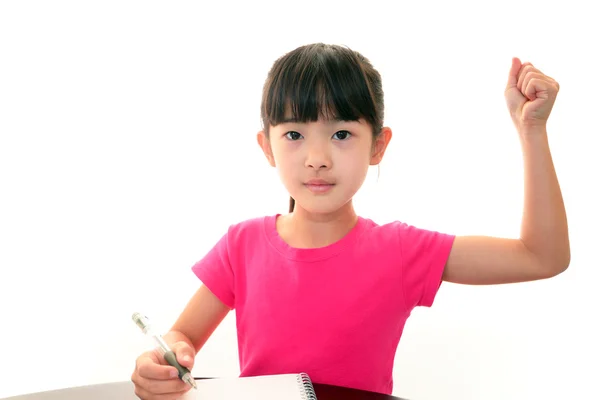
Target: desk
pixel 124 391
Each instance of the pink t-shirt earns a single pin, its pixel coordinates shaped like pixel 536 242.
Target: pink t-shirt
pixel 336 312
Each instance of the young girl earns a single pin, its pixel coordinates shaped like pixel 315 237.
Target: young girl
pixel 322 290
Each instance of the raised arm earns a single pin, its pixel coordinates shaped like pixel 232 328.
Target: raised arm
pixel 543 249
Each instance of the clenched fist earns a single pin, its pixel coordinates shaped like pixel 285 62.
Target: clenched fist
pixel 529 95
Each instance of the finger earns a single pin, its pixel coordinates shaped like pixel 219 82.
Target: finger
pixel 148 368
pixel 155 386
pixel 543 76
pixel 530 90
pixel 185 354
pixel 156 356
pixel 513 73
pixel 146 395
pixel 525 69
pixel 533 87
pixel 555 82
pixel 540 89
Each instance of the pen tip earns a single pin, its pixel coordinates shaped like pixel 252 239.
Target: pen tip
pixel 190 380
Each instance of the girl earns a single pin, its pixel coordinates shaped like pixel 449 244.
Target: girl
pixel 322 290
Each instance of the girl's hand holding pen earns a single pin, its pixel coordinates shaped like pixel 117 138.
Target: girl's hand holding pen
pixel 163 373
pixel 155 379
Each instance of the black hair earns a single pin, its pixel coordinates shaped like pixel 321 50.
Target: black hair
pixel 321 80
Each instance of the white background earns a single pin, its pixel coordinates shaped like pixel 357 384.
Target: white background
pixel 128 147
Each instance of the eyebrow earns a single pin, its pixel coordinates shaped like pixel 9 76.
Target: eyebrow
pixel 295 120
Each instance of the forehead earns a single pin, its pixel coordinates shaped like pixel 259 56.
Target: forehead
pixel 327 115
pixel 326 123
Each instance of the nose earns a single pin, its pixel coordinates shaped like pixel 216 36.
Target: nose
pixel 318 158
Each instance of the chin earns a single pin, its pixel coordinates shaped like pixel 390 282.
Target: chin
pixel 322 205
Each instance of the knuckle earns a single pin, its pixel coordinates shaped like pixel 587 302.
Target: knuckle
pixel 135 374
pixel 155 386
pixel 179 346
pixel 182 349
pixel 141 360
pixel 151 386
pixel 140 393
pixel 144 369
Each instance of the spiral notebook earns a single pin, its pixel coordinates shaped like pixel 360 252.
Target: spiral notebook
pixel 264 387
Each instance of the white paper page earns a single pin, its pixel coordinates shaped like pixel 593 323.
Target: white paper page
pixel 270 387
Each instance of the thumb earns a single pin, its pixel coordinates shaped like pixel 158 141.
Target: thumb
pixel 513 74
pixel 185 354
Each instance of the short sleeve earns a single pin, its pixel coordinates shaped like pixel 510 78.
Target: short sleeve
pixel 424 256
pixel 216 272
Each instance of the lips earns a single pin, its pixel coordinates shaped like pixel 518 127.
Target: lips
pixel 318 185
pixel 318 182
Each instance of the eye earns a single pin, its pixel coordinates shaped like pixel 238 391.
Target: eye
pixel 342 135
pixel 293 135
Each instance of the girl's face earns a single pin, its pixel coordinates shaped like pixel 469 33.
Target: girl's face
pixel 323 164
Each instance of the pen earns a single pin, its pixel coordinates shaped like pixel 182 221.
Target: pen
pixel 184 374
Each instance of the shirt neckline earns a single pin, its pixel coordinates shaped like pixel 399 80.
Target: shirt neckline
pixel 312 254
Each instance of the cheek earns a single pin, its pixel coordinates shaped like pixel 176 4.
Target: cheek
pixel 286 164
pixel 356 163
pixel 284 160
pixel 356 155
pixel 278 154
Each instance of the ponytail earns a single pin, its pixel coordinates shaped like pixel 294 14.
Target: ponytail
pixel 292 204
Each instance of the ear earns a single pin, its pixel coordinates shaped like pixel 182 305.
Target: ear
pixel 265 146
pixel 381 143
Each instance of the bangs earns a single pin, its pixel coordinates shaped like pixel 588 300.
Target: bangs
pixel 315 83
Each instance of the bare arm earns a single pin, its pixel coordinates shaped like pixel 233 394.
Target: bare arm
pixel 543 249
pixel 199 319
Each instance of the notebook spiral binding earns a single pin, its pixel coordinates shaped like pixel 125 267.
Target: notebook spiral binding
pixel 309 391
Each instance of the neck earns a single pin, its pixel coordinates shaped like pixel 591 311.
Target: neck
pixel 308 230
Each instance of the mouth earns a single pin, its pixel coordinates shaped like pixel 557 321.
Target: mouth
pixel 318 186
pixel 317 182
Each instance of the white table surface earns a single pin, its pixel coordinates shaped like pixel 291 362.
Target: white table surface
pixel 103 391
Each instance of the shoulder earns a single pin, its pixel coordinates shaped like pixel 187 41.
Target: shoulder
pixel 396 227
pixel 422 255
pixel 392 230
pixel 405 237
pixel 236 240
pixel 250 228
